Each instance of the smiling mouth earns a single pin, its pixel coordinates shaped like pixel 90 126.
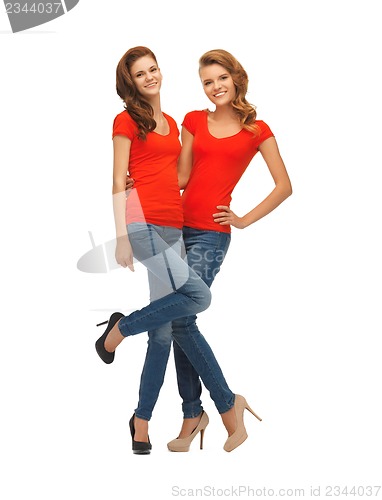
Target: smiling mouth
pixel 219 94
pixel 151 85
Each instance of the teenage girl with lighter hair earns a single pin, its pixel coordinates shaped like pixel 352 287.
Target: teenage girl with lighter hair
pixel 217 147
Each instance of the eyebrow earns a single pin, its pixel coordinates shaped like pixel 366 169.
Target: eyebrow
pixel 209 79
pixel 142 70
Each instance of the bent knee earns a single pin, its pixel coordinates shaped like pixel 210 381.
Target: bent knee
pixel 204 300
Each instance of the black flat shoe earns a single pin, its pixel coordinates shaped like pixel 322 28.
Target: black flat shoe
pixel 106 356
pixel 139 447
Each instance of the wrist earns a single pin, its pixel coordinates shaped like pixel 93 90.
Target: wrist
pixel 122 238
pixel 244 222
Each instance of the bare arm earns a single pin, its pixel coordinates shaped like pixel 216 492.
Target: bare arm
pixel 123 252
pixel 281 191
pixel 185 158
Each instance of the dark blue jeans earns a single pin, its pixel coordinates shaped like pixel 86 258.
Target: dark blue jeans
pixel 175 291
pixel 194 359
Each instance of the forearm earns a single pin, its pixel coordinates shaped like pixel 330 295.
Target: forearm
pixel 281 191
pixel 119 208
pixel 272 201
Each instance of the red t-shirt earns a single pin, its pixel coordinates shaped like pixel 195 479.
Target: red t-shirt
pixel 155 197
pixel 217 167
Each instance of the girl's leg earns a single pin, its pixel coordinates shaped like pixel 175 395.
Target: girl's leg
pixel 190 389
pixel 152 377
pixel 189 293
pixel 158 347
pixel 201 356
pixel 189 385
pixel 206 251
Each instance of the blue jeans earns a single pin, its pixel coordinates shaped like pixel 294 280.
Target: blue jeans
pixel 194 358
pixel 175 290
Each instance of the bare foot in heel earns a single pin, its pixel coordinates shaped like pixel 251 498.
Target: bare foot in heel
pixel 239 435
pixel 106 344
pixel 113 339
pixel 198 424
pixel 141 430
pixel 229 420
pixel 188 426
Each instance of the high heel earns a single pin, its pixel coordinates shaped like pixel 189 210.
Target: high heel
pixel 106 356
pixel 240 434
pixel 183 444
pixel 138 447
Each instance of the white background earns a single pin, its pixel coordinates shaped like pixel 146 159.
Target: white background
pixel 295 320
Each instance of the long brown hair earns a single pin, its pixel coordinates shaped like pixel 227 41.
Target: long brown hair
pixel 138 108
pixel 245 111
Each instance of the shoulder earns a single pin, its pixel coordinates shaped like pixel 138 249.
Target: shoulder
pixel 193 119
pixel 123 124
pixel 172 123
pixel 168 116
pixel 170 119
pixel 124 118
pixel 197 114
pixel 264 128
pixel 262 125
pixel 264 131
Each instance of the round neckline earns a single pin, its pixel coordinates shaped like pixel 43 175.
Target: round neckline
pixel 169 127
pixel 207 111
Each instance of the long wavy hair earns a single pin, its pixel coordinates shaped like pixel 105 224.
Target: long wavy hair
pixel 245 111
pixel 138 108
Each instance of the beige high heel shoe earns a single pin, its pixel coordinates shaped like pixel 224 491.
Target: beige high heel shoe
pixel 183 444
pixel 240 434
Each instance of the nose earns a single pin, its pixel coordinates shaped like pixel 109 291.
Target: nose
pixel 217 85
pixel 149 77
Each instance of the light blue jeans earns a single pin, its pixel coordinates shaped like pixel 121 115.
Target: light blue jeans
pixel 175 291
pixel 194 359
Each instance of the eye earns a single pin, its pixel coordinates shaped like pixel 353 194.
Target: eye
pixel 207 83
pixel 153 70
pixel 138 75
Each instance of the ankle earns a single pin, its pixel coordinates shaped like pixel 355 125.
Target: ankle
pixel 229 421
pixel 141 430
pixel 109 345
pixel 188 426
pixel 113 339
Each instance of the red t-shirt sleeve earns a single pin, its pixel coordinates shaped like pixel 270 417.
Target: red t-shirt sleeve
pixel 189 122
pixel 124 125
pixel 265 132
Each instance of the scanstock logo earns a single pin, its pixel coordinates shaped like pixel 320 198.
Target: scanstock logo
pixel 27 14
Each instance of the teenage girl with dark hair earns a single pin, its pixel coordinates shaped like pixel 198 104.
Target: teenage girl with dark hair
pixel 148 221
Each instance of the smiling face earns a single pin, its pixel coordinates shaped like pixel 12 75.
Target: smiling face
pixel 146 76
pixel 218 84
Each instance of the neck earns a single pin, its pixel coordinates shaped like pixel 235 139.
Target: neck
pixel 225 113
pixel 155 104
